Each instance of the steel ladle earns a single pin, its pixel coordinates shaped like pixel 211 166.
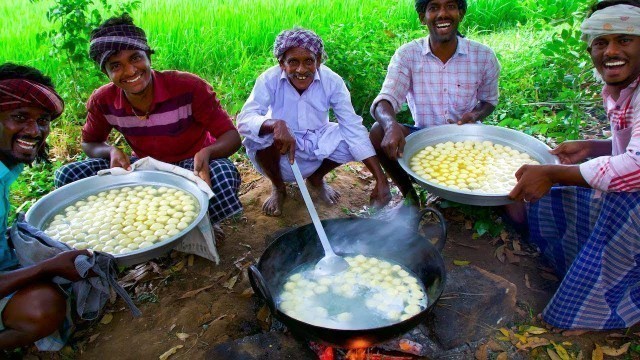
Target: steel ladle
pixel 331 263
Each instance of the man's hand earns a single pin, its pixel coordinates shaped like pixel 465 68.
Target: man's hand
pixel 572 152
pixel 283 140
pixel 380 195
pixel 534 182
pixel 393 141
pixel 63 265
pixel 119 159
pixel 201 165
pixel 466 118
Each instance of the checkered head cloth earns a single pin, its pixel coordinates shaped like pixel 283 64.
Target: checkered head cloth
pixel 18 93
pixel 299 37
pixel 107 41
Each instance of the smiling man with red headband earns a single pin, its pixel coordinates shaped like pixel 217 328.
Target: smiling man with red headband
pixel 31 307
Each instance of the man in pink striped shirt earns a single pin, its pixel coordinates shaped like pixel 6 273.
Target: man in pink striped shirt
pixel 444 78
pixel 587 229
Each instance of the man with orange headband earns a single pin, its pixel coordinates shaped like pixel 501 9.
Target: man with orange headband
pixel 31 307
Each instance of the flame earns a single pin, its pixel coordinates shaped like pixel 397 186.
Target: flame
pixel 357 354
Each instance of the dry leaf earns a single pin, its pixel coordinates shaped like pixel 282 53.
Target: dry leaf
pixel 93 337
pixel 553 355
pixel 502 356
pixel 170 352
pixel 561 351
pixel 516 245
pixel 461 262
pixel 532 330
pixel 526 281
pixel 549 276
pixel 263 314
pixel 172 327
pixel 468 225
pixel 190 261
pixel 219 275
pixel 182 336
pixel 177 267
pixel 106 318
pixel 616 352
pixel 248 292
pixel 532 343
pixel 192 293
pixel 229 284
pixel 500 253
pixel 494 346
pixel 597 353
pixel 511 257
pixel 481 353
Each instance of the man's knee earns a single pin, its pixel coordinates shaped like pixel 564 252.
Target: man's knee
pixel 37 310
pixel 376 135
pixel 63 176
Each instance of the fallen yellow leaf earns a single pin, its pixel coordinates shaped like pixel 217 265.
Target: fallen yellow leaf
pixel 182 336
pixel 532 343
pixel 170 352
pixel 597 353
pixel 616 352
pixel 106 318
pixel 562 352
pixel 502 356
pixel 532 330
pixel 504 331
pixel 553 355
pixel 461 262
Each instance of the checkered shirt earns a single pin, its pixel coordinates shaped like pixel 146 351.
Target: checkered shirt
pixel 621 171
pixel 437 92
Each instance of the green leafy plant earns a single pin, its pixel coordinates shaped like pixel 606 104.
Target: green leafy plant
pixel 69 43
pixel 486 219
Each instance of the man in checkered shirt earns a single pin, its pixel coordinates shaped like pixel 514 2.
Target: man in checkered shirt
pixel 443 77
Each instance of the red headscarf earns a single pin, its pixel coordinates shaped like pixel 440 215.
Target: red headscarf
pixel 17 93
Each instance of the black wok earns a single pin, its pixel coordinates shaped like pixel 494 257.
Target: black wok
pixel 352 237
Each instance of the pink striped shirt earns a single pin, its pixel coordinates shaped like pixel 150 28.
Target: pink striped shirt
pixel 436 92
pixel 621 171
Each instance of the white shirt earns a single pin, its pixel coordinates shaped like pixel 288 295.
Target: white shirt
pixel 306 114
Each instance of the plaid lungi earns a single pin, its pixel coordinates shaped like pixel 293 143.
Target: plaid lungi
pixel 225 181
pixel 592 239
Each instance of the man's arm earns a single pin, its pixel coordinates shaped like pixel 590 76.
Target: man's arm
pixel 59 265
pixel 534 181
pixel 103 150
pixel 479 113
pixel 393 141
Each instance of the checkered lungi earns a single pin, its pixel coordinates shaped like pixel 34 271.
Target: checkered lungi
pixel 592 239
pixel 225 180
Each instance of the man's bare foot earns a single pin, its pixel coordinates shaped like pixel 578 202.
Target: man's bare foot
pixel 563 332
pixel 273 205
pixel 325 192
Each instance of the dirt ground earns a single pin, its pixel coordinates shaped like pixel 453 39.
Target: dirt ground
pixel 193 303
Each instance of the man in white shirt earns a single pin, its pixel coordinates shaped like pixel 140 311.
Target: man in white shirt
pixel 287 113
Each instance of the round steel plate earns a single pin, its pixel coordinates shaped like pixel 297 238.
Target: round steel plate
pixel 54 202
pixel 478 132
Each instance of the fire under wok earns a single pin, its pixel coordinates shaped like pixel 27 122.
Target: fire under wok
pixel 349 237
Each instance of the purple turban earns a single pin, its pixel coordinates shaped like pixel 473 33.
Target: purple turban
pixel 111 39
pixel 18 93
pixel 299 37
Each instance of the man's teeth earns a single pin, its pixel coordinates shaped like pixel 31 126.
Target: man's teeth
pixel 443 25
pixel 614 63
pixel 133 80
pixel 301 77
pixel 27 144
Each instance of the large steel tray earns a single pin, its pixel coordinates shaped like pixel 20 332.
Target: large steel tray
pixel 498 135
pixel 54 202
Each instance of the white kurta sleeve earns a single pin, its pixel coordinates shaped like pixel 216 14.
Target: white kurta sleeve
pixel 350 123
pixel 254 114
